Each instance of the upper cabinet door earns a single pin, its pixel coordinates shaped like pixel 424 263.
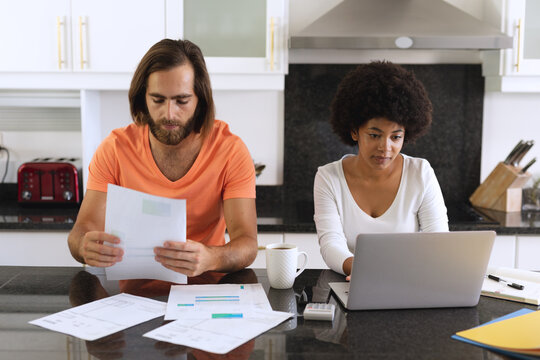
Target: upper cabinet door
pixel 523 22
pixel 33 35
pixel 112 36
pixel 235 36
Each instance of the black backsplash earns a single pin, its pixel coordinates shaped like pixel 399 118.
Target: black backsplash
pixel 452 146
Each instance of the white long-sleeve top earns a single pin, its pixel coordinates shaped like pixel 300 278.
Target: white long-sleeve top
pixel 418 206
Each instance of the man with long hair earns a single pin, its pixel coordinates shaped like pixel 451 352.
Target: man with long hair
pixel 174 148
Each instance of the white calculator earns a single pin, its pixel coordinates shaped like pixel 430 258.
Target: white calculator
pixel 319 311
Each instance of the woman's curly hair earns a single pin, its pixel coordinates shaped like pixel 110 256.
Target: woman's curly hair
pixel 380 89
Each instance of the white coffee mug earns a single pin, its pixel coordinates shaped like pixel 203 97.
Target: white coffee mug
pixel 281 261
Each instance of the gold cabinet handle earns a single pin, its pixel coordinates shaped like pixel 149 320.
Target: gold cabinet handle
pixel 59 24
pixel 519 30
pixel 81 43
pixel 272 39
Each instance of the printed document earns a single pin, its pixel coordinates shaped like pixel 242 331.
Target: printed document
pixel 215 301
pixel 142 222
pixel 218 335
pixel 103 317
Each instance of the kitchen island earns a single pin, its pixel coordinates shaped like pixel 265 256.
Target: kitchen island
pixel 27 293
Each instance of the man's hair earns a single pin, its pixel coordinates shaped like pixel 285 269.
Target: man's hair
pixel 380 90
pixel 163 56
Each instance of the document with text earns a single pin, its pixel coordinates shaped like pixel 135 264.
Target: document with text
pixel 218 335
pixel 215 301
pixel 103 317
pixel 142 222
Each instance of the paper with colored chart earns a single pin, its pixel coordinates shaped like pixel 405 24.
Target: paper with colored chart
pixel 220 335
pixel 516 334
pixel 215 301
pixel 142 222
pixel 103 317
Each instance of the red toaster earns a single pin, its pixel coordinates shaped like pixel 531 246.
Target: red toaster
pixel 50 180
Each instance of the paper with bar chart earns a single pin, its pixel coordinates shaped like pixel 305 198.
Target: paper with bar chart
pixel 218 335
pixel 215 301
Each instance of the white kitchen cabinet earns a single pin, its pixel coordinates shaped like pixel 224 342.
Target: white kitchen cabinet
pixel 244 41
pixel 79 44
pixel 35 248
pixel 78 35
pixel 236 36
pixel 32 35
pixel 516 69
pixel 309 243
pixel 503 253
pixel 528 252
pixel 113 36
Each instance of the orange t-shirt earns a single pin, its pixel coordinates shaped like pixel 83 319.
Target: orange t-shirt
pixel 223 170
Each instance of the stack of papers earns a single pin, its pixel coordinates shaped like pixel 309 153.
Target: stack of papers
pixel 515 334
pixel 213 318
pixel 530 294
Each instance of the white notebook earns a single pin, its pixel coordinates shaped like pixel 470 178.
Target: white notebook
pixel 530 294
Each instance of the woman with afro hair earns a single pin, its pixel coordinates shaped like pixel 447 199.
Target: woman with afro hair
pixel 378 107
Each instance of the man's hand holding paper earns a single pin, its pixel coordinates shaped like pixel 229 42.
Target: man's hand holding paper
pixel 98 249
pixel 190 257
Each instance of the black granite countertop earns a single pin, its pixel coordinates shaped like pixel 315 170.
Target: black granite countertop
pixel 28 293
pixel 273 216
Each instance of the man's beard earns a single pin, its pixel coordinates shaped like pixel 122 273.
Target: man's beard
pixel 171 137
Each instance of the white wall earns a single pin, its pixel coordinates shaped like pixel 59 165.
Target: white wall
pixel 258 118
pixel 509 117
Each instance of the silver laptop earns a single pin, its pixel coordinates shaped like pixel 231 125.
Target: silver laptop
pixel 416 270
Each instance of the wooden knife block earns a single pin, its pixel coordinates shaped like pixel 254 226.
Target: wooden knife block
pixel 502 189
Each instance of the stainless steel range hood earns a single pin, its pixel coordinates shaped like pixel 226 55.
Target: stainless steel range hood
pixel 394 24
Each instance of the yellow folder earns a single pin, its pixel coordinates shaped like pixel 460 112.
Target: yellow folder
pixel 518 334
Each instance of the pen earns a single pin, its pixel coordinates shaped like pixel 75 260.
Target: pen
pixel 511 284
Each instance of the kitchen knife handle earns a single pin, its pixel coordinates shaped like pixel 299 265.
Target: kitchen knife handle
pixel 519 150
pixel 508 159
pixel 524 151
pixel 526 167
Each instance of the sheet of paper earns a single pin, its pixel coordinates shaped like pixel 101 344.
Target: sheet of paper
pixel 218 335
pixel 529 294
pixel 211 301
pixel 527 275
pixel 103 317
pixel 142 222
